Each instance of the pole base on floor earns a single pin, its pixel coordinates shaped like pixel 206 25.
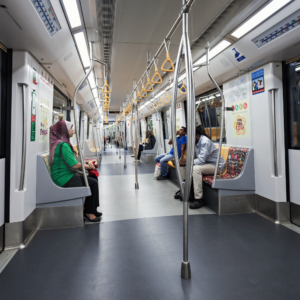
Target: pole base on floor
pixel 125 166
pixel 185 270
pixel 137 186
pixel 119 157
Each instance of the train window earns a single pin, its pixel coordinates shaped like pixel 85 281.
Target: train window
pixel 293 92
pixel 209 113
pixel 150 124
pixel 165 125
pixel 59 101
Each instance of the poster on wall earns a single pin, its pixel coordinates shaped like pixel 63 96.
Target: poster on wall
pixel 238 89
pixel 258 82
pixel 44 120
pixel 240 120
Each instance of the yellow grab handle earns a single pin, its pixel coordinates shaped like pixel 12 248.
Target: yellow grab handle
pixel 106 96
pixel 159 77
pixel 138 97
pixel 182 87
pixel 168 59
pixel 143 91
pixel 155 105
pixel 106 88
pixel 168 99
pixel 151 107
pixel 160 103
pixel 151 86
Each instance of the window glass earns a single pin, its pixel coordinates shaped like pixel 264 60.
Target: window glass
pixel 293 91
pixel 59 101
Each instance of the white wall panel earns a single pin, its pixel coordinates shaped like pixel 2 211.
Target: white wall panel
pixel 267 185
pixel 294 163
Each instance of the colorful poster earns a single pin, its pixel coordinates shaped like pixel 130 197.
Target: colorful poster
pixel 258 82
pixel 33 117
pixel 240 120
pixel 45 120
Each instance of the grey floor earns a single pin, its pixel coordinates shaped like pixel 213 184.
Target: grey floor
pixel 136 251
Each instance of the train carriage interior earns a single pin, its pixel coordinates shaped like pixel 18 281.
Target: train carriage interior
pixel 149 149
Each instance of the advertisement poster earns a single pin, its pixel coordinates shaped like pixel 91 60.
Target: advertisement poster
pixel 44 120
pixel 240 120
pixel 33 117
pixel 238 90
pixel 258 82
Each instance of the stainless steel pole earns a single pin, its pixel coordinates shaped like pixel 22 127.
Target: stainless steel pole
pixel 159 134
pixel 100 144
pixel 120 140
pixel 274 134
pixel 76 121
pixel 222 117
pixel 98 159
pixel 137 143
pixel 209 121
pixel 24 137
pixel 125 139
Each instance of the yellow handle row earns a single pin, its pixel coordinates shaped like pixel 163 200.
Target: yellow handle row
pixel 106 88
pixel 168 59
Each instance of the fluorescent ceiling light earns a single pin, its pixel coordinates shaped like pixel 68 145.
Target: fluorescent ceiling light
pixel 297 69
pixel 265 13
pixel 95 93
pixel 214 51
pixel 159 94
pixel 72 12
pixel 82 48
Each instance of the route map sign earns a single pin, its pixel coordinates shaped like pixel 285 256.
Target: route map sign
pixel 47 15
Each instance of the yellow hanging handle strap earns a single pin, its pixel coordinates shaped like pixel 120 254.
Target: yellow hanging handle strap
pixel 168 59
pixel 143 91
pixel 181 89
pixel 160 103
pixel 150 89
pixel 151 108
pixel 138 97
pixel 155 105
pixel 106 96
pixel 166 99
pixel 106 88
pixel 156 74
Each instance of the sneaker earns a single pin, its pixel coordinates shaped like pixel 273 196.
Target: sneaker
pixel 197 204
pixel 160 177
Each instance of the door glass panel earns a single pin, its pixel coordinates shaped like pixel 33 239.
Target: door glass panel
pixel 293 83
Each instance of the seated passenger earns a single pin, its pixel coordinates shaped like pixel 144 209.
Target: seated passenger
pixel 64 167
pixel 164 158
pixel 148 145
pixel 205 159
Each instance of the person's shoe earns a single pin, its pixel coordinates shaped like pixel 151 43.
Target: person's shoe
pixel 137 161
pixel 177 195
pixel 98 214
pixel 197 204
pixel 132 155
pixel 160 177
pixel 97 219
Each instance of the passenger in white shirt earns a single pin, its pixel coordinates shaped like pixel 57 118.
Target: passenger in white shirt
pixel 205 159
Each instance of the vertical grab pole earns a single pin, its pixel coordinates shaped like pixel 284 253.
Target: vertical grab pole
pixel 136 142
pixel 274 134
pixel 159 135
pixel 124 140
pixel 117 137
pixel 223 112
pixel 74 111
pixel 24 136
pixel 120 139
pixel 99 141
pixel 98 159
pixel 184 48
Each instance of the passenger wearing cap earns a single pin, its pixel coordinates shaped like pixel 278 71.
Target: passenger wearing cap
pixel 205 159
pixel 65 167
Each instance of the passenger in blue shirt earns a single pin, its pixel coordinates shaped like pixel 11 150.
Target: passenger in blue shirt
pixel 164 158
pixel 205 159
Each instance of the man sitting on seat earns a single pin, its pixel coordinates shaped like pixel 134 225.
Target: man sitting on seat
pixel 205 160
pixel 164 158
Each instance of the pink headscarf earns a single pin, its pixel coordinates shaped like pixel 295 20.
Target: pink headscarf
pixel 59 132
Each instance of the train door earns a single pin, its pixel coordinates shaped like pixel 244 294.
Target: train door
pixel 5 80
pixel 292 117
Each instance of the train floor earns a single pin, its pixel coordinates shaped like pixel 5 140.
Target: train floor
pixel 135 252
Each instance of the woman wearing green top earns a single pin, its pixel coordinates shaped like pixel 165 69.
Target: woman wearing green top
pixel 64 165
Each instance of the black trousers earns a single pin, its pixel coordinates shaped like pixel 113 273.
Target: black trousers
pixel 91 202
